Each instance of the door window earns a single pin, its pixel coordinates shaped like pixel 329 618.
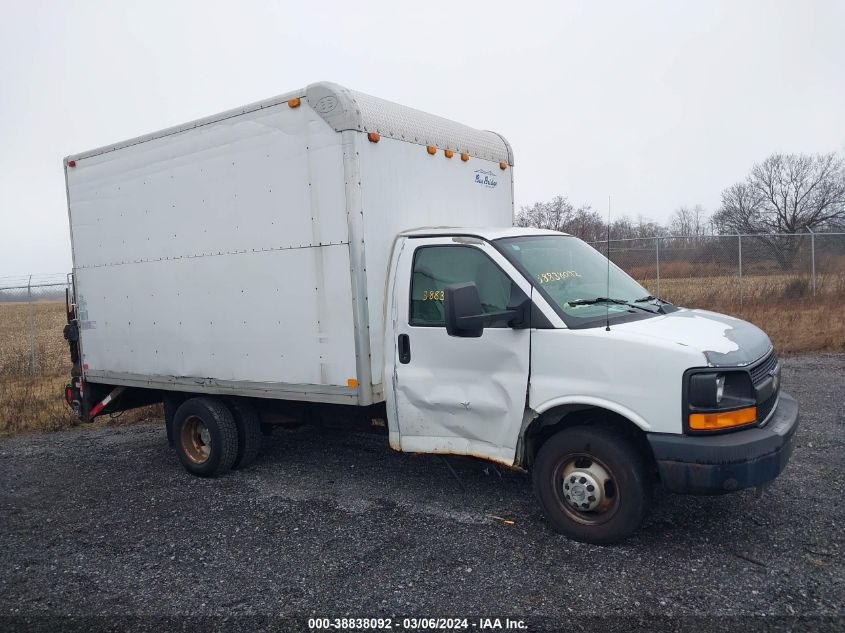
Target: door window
pixel 436 267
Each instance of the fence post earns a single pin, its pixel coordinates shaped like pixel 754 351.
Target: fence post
pixel 739 241
pixel 813 256
pixel 31 326
pixel 657 258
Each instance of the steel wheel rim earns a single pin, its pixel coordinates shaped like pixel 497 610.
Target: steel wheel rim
pixel 607 506
pixel 196 440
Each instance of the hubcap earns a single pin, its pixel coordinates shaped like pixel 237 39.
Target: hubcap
pixel 196 440
pixel 583 490
pixel 587 490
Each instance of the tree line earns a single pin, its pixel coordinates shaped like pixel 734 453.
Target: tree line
pixel 785 193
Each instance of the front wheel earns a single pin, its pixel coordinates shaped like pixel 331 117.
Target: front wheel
pixel 592 484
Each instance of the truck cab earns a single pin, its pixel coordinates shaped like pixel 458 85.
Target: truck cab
pixel 528 348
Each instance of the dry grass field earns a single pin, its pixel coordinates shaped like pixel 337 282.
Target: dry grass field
pixel 783 305
pixel 36 401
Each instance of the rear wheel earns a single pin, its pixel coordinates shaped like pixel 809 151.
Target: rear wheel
pixel 171 404
pixel 249 432
pixel 206 436
pixel 592 484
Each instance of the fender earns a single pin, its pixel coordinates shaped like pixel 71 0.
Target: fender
pixel 592 401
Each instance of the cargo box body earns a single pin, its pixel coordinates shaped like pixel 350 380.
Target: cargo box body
pixel 247 253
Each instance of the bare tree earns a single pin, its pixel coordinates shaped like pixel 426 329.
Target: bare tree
pixel 689 222
pixel 786 193
pixel 559 214
pixel 552 215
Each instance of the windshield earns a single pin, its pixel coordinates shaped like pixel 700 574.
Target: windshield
pixel 573 275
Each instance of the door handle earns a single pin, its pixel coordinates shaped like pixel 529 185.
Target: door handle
pixel 404 349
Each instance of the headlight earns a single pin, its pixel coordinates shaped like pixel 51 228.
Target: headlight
pixel 716 401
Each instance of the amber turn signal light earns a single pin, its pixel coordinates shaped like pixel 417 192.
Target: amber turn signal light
pixel 373 137
pixel 722 419
pixel 293 103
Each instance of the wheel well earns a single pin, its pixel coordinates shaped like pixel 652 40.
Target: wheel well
pixel 555 420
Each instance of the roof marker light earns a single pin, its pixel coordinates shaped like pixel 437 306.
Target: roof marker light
pixel 449 153
pixel 464 156
pixel 503 165
pixel 71 163
pixel 373 137
pixel 294 103
pixel 431 149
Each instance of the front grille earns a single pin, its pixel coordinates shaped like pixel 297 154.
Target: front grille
pixel 762 369
pixel 765 408
pixel 759 373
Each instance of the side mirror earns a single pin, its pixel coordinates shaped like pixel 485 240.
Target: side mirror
pixel 463 311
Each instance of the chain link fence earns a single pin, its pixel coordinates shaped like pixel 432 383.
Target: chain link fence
pixel 34 358
pixel 32 315
pixel 729 272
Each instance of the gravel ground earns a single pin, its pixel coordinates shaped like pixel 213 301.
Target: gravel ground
pixel 105 522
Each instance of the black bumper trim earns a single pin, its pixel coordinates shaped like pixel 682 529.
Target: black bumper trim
pixel 714 464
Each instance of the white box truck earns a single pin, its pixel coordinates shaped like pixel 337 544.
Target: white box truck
pixel 328 253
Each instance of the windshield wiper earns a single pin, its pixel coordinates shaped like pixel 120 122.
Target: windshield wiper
pixel 660 302
pixel 621 302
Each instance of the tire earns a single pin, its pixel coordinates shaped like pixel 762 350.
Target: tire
pixel 248 425
pixel 205 436
pixel 577 460
pixel 171 404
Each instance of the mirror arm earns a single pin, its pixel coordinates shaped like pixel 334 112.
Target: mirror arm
pixel 505 315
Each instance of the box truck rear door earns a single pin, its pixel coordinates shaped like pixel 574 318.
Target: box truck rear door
pixel 457 395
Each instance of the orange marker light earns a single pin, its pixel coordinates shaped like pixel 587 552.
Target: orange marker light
pixel 373 137
pixel 352 382
pixel 449 153
pixel 503 165
pixel 294 103
pixel 464 156
pixel 722 419
pixel 432 150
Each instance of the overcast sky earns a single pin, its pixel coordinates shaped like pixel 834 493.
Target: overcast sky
pixel 659 104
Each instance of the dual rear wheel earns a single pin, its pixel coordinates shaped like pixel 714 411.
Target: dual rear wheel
pixel 212 436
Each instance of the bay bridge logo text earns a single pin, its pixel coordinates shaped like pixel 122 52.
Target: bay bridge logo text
pixel 486 179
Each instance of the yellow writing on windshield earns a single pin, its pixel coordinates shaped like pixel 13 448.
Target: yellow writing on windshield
pixel 434 295
pixel 545 278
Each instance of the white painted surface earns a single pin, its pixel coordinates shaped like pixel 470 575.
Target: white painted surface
pixel 635 375
pixel 404 187
pixel 219 252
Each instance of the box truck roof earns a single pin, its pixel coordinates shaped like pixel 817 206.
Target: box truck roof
pixel 345 109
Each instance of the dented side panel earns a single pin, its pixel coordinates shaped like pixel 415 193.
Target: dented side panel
pixel 463 396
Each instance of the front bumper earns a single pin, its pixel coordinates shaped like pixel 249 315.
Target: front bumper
pixel 714 464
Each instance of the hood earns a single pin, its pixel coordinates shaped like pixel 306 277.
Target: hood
pixel 724 341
